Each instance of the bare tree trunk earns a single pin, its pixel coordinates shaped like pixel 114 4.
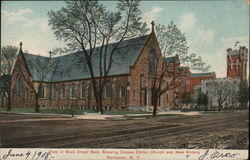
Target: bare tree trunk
pixel 219 107
pixel 155 110
pixel 155 100
pixel 100 103
pixel 37 106
pixel 9 101
pixel 9 105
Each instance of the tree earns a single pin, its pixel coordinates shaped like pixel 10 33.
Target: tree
pixel 8 58
pixel 173 42
pixel 84 25
pixel 187 98
pixel 164 77
pixel 202 100
pixel 168 77
pixel 243 94
pixel 222 90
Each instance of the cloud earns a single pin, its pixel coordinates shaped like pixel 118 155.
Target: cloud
pixel 187 21
pixel 42 43
pixel 197 34
pixel 218 59
pixel 230 42
pixel 204 36
pixel 12 17
pixel 36 35
pixel 151 15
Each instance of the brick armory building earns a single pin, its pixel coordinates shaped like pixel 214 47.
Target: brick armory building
pixel 127 87
pixel 237 62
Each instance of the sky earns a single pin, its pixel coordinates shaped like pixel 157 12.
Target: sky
pixel 210 26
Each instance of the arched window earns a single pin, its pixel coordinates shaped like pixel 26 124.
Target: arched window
pixel 83 91
pixel 26 93
pixel 152 63
pixel 108 89
pixel 53 92
pixel 41 93
pixel 63 91
pixel 123 92
pixel 73 91
pixel 18 86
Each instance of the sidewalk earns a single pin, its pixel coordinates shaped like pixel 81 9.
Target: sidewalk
pixel 96 116
pixel 127 116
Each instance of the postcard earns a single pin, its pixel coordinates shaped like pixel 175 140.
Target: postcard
pixel 124 80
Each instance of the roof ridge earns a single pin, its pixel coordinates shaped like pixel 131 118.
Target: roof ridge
pixel 88 49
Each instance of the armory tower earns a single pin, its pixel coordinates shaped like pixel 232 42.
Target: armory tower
pixel 237 62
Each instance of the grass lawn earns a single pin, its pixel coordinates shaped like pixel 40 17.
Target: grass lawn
pixel 52 111
pixel 67 111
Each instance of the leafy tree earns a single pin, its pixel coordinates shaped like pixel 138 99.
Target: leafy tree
pixel 173 42
pixel 84 25
pixel 243 94
pixel 8 58
pixel 202 100
pixel 187 98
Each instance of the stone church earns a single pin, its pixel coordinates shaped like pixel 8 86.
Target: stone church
pixel 127 87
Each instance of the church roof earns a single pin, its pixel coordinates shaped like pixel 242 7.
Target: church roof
pixel 172 59
pixel 202 74
pixel 69 67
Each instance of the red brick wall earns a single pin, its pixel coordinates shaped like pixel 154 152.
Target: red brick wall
pixel 237 70
pixel 237 62
pixel 20 100
pixel 197 80
pixel 139 77
pixel 115 102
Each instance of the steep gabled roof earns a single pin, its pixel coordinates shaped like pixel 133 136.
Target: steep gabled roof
pixel 69 67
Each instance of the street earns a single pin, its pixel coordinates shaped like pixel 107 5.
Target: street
pixel 220 130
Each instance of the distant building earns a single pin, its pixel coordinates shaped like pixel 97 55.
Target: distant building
pixel 237 63
pixel 196 78
pixel 228 86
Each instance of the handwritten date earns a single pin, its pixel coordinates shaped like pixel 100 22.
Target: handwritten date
pixel 35 155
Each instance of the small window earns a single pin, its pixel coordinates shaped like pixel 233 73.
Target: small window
pixel 83 91
pixel 152 63
pixel 53 93
pixel 18 86
pixel 63 92
pixel 73 91
pixel 26 93
pixel 41 93
pixel 122 92
pixel 108 89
